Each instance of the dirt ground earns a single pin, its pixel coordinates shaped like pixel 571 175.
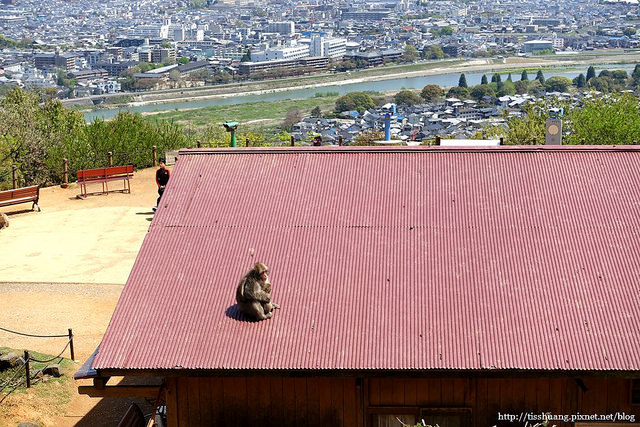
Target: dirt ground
pixel 64 267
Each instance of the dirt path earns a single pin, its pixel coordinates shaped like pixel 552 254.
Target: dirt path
pixel 63 268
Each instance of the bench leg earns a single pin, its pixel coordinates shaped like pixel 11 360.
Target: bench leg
pixel 35 204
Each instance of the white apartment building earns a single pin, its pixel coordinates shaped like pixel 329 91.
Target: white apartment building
pixel 150 31
pixel 332 47
pixel 288 52
pixel 110 86
pixel 558 43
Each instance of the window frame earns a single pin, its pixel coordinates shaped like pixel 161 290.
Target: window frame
pixel 419 412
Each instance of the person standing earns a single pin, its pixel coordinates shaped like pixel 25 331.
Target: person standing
pixel 162 178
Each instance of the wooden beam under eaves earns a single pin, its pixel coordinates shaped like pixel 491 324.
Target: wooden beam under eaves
pixel 120 391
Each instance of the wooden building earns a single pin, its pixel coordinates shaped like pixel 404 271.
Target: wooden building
pixel 462 287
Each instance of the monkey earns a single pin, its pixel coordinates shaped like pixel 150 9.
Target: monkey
pixel 253 294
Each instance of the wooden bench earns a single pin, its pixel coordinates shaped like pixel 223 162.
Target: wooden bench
pixel 21 195
pixel 104 176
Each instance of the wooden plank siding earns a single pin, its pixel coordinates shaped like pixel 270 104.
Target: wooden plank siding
pixel 339 401
pixel 486 397
pixel 266 402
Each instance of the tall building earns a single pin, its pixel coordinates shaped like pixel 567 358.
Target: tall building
pixel 66 61
pixel 50 60
pixel 332 47
pixel 285 28
pixel 163 55
pixel 44 60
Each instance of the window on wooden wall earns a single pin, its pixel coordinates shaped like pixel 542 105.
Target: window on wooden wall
pixel 398 416
pixel 393 416
pixel 450 417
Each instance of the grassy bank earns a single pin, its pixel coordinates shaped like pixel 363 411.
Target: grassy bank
pixel 252 114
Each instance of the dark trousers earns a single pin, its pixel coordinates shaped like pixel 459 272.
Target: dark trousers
pixel 160 192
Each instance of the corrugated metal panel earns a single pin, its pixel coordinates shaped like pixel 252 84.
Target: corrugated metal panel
pixel 390 259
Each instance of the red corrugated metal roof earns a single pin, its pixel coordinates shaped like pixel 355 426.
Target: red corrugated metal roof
pixel 403 258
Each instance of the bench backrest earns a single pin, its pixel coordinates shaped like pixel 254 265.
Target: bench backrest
pixel 104 172
pixel 91 173
pixel 18 193
pixel 119 170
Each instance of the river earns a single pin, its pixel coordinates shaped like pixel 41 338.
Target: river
pixel 445 80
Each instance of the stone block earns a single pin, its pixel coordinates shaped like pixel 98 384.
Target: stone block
pixel 9 360
pixel 53 370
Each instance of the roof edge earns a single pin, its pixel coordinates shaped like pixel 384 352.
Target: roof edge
pixel 440 372
pixel 87 370
pixel 412 149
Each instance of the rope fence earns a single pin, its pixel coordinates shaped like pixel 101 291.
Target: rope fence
pixel 10 382
pixel 27 359
pixel 59 356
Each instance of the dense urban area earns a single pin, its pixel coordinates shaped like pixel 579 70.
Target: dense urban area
pixel 91 51
pixel 81 48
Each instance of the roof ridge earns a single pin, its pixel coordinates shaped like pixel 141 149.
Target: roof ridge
pixel 410 149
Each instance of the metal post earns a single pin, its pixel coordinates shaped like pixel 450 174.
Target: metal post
pixel 535 141
pixel 293 141
pixel 198 143
pixel 437 139
pixel 340 140
pixel 73 356
pixel 110 154
pixel 65 172
pixel 247 142
pixel 155 156
pixel 502 140
pixel 14 173
pixel 26 368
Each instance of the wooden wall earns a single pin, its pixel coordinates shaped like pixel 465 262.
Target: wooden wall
pixel 340 401
pixel 488 396
pixel 265 402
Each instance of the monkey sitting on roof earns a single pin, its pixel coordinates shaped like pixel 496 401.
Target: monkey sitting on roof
pixel 254 293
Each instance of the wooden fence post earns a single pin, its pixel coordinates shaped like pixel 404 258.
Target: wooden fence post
pixel 73 357
pixel 293 141
pixel 340 140
pixel 502 140
pixel 65 172
pixel 247 142
pixel 26 368
pixel 14 173
pixel 154 155
pixel 437 139
pixel 198 143
pixel 110 154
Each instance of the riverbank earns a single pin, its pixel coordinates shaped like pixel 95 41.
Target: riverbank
pixel 183 99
